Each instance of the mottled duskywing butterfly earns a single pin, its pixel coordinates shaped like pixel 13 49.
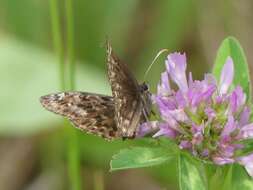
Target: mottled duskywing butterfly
pixel 109 117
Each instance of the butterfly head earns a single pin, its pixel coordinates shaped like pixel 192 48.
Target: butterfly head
pixel 144 87
pixel 146 100
pixel 146 97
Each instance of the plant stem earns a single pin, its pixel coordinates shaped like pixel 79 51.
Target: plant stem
pixel 57 40
pixel 73 148
pixel 98 179
pixel 73 160
pixel 70 43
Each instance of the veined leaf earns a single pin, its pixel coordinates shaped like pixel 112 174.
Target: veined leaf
pixel 190 177
pixel 240 179
pixel 139 157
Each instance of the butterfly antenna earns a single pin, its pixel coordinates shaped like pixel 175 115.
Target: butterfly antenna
pixel 154 60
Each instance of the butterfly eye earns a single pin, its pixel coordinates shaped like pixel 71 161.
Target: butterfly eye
pixel 144 87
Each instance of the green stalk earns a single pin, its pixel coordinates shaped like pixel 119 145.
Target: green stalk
pixel 73 159
pixel 57 40
pixel 98 180
pixel 73 148
pixel 70 42
pixel 67 84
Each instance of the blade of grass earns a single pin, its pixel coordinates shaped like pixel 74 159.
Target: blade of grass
pixel 98 179
pixel 73 158
pixel 73 148
pixel 57 39
pixel 70 43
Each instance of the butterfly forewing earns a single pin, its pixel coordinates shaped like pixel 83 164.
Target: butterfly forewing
pixel 126 94
pixel 92 113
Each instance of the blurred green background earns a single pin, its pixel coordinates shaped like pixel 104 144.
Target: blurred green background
pixel 33 142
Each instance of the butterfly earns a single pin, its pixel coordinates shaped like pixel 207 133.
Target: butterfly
pixel 110 117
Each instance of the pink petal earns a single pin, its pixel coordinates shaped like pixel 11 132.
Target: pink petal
pixel 190 80
pixel 237 99
pixel 146 128
pixel 210 113
pixel 163 88
pixel 176 67
pixel 180 99
pixel 185 145
pixel 246 131
pixel 229 127
pixel 244 117
pixel 165 130
pixel 221 161
pixel 247 162
pixel 227 76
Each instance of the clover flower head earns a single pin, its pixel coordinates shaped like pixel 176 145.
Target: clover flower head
pixel 209 118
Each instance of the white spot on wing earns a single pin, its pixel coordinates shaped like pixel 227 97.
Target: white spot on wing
pixel 61 95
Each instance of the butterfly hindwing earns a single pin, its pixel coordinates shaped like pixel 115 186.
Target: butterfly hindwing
pixel 92 113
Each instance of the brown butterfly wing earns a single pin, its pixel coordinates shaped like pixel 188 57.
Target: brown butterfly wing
pixel 91 113
pixel 126 94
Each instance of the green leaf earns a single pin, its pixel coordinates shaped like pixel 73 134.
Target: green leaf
pixel 241 179
pixel 231 47
pixel 215 177
pixel 190 177
pixel 228 178
pixel 248 146
pixel 139 157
